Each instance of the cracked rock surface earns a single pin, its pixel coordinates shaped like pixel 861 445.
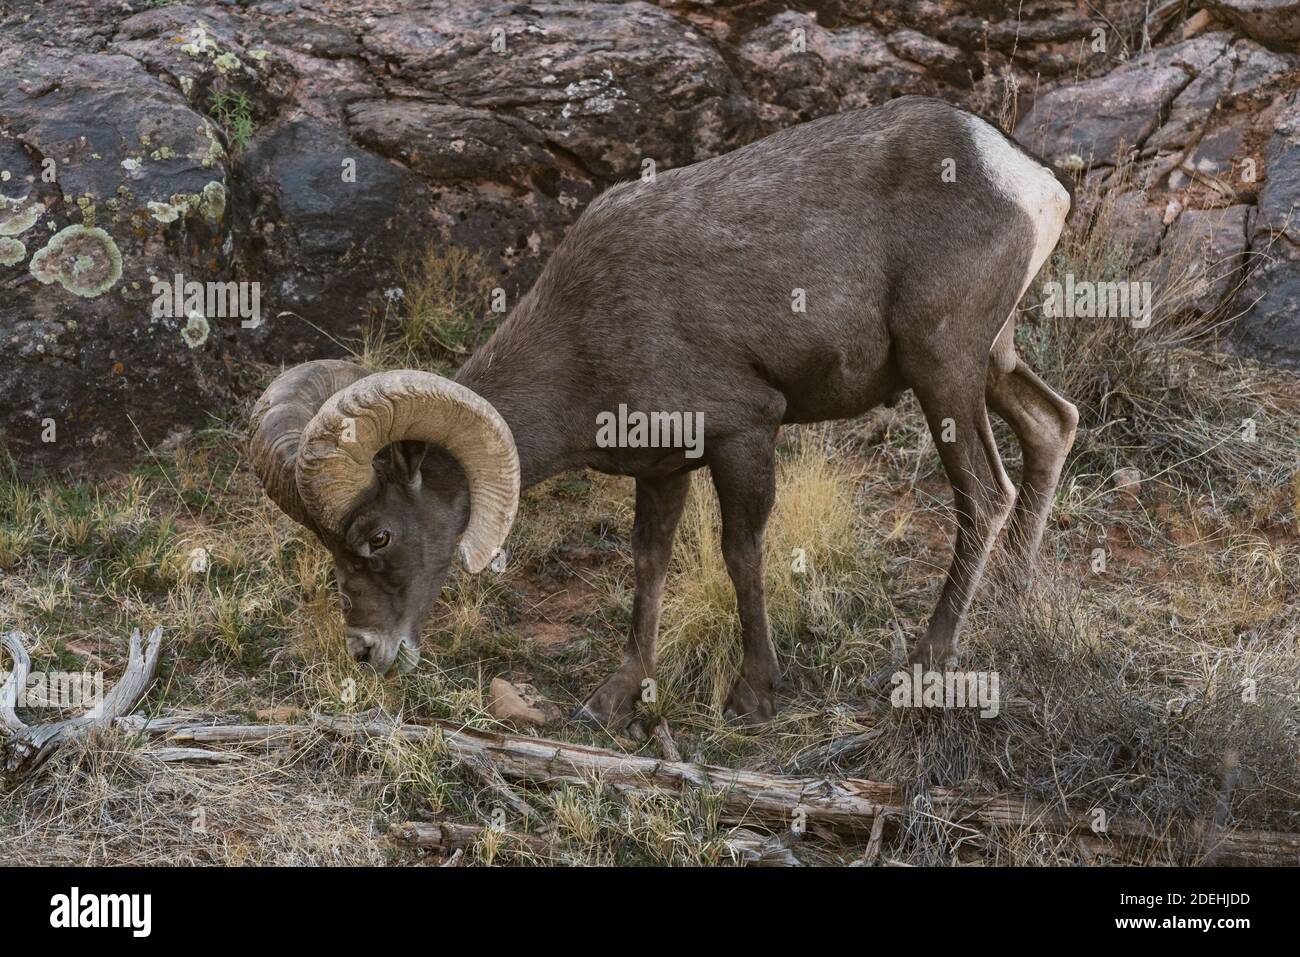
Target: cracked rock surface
pixel 303 145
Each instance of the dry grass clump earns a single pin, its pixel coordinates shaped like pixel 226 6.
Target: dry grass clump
pixel 441 312
pixel 817 577
pixel 1159 399
pixel 108 801
pixel 1098 714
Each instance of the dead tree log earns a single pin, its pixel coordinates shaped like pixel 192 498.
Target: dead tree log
pixel 26 747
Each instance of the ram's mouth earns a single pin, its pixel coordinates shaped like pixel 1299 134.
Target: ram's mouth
pixel 408 657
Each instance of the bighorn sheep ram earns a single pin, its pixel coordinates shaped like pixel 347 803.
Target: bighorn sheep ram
pixel 676 294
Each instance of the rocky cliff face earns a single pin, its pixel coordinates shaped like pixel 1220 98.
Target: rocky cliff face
pixel 301 145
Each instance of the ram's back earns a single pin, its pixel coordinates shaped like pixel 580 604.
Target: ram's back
pixel 789 262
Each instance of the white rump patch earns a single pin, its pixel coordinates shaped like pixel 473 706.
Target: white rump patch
pixel 1028 184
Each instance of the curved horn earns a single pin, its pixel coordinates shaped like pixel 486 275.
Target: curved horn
pixel 278 419
pixel 334 461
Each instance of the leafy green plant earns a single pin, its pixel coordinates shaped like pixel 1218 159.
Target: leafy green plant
pixel 233 112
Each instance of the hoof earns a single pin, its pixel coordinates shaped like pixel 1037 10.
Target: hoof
pixel 932 657
pixel 613 704
pixel 749 706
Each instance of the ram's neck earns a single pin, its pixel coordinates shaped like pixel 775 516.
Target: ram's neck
pixel 524 371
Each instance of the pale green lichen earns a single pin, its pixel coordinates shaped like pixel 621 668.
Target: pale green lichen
pixel 83 259
pixel 200 42
pixel 195 331
pixel 215 152
pixel 86 204
pixel 18 215
pixel 212 202
pixel 166 212
pixel 227 62
pixel 12 251
pixel 224 60
pixel 131 164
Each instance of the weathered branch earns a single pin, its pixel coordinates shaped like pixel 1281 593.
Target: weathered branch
pixel 14 645
pixel 851 806
pixel 29 746
pixel 448 836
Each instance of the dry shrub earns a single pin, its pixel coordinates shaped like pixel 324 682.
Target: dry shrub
pixel 438 316
pixel 1162 399
pixel 1155 729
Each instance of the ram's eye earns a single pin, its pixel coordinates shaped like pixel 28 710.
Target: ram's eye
pixel 379 539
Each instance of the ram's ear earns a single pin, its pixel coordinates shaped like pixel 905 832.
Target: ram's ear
pixel 406 459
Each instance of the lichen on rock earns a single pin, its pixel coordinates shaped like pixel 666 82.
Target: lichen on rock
pixel 227 62
pixel 12 251
pixel 83 259
pixel 195 331
pixel 18 215
pixel 212 201
pixel 165 212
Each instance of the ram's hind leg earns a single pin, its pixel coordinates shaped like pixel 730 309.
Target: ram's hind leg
pixel 1044 424
pixel 982 494
pixel 659 503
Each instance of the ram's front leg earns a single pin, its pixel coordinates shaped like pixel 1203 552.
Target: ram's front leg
pixel 659 503
pixel 744 474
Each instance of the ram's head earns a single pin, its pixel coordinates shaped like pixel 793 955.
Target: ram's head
pixel 389 470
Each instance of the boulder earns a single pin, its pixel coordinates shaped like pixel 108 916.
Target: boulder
pixel 1078 125
pixel 323 221
pixel 946 62
pixel 1279 196
pixel 1257 67
pixel 1269 302
pixel 610 84
pixel 1269 329
pixel 803 70
pixel 1272 22
pixel 1136 223
pixel 1190 108
pixel 1201 260
pixel 120 183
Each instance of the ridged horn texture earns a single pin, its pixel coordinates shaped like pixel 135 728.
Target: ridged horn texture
pixel 334 469
pixel 279 418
